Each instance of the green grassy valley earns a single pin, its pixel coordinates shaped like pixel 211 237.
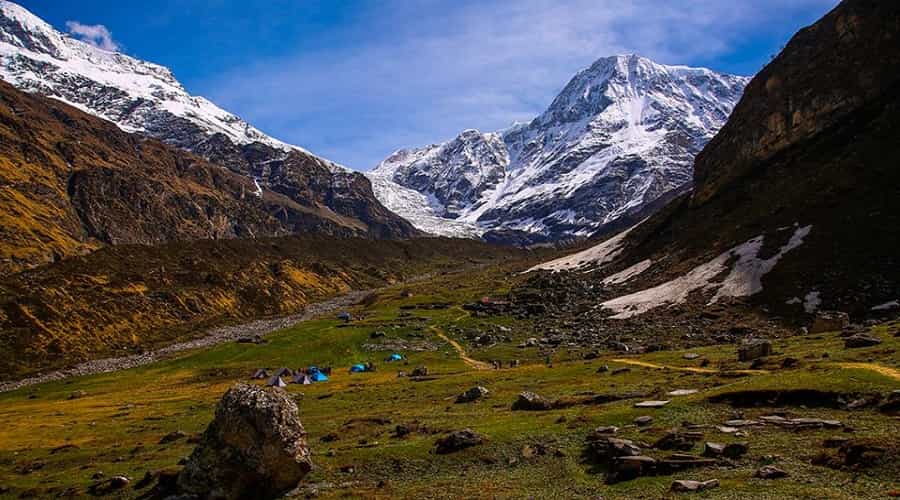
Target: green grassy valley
pixel 372 435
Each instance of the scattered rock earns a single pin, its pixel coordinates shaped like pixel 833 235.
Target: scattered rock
pixel 682 392
pixel 892 403
pixel 529 401
pixel 770 472
pixel 852 454
pixel 458 440
pixel 643 420
pixel 630 467
pixel 172 436
pixel 419 371
pixel 77 394
pixel 651 404
pixel 606 430
pixel 605 448
pixel 713 449
pixel 472 394
pixel 684 485
pixel 829 321
pixel 789 362
pixel 118 482
pixel 754 349
pixel 603 369
pixel 691 355
pixel 861 340
pixel 678 440
pixel 530 342
pixel 255 446
pixel 735 450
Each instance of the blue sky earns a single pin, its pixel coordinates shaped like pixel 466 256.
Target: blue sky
pixel 354 80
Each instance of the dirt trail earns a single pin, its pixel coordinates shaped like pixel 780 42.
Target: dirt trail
pixel 474 363
pixel 646 364
pixel 880 369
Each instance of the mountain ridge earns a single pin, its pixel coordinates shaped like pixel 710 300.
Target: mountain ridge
pixel 623 132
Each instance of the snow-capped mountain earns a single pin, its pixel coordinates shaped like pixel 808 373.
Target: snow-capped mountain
pixel 620 138
pixel 136 95
pixel 145 98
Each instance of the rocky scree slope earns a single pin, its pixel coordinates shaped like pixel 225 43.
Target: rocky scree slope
pixel 143 97
pixel 795 207
pixel 618 141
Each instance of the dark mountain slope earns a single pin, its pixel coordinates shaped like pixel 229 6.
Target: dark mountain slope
pixel 70 182
pixel 812 146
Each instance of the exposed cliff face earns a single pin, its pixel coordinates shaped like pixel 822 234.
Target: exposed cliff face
pixel 311 193
pixel 831 69
pixel 797 201
pixel 618 140
pixel 70 182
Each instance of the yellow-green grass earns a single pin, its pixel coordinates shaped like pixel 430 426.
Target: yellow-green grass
pixel 117 425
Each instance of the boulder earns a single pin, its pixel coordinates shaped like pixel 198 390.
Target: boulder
pixel 713 449
pixel 861 340
pixel 754 349
pixel 254 447
pixel 643 420
pixel 605 448
pixel 458 440
pixel 685 485
pixel 630 467
pixel 529 401
pixel 770 472
pixel 829 321
pixel 472 394
pixel 735 450
pixel 678 440
pixel 892 403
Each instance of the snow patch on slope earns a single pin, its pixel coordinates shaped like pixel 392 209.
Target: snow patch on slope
pixel 744 278
pixel 627 274
pixel 595 256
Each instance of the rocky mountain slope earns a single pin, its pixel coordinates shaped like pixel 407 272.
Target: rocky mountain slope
pixel 617 142
pixel 795 207
pixel 145 98
pixel 71 182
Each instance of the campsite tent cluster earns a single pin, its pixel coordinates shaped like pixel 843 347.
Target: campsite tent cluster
pixel 283 376
pixel 305 376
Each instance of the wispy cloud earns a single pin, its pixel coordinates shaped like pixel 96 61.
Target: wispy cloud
pixel 95 34
pixel 415 72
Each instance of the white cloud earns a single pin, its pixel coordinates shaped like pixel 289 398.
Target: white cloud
pixel 416 72
pixel 95 34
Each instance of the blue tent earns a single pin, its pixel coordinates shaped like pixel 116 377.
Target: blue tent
pixel 395 357
pixel 358 368
pixel 318 376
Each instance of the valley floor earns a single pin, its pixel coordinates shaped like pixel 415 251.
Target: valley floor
pixel 55 437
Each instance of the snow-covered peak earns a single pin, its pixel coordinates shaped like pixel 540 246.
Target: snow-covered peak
pixel 620 135
pixel 138 96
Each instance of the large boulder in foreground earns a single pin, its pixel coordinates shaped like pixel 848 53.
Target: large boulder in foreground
pixel 255 447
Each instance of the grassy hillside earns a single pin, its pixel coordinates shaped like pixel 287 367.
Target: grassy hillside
pixel 125 299
pixel 116 426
